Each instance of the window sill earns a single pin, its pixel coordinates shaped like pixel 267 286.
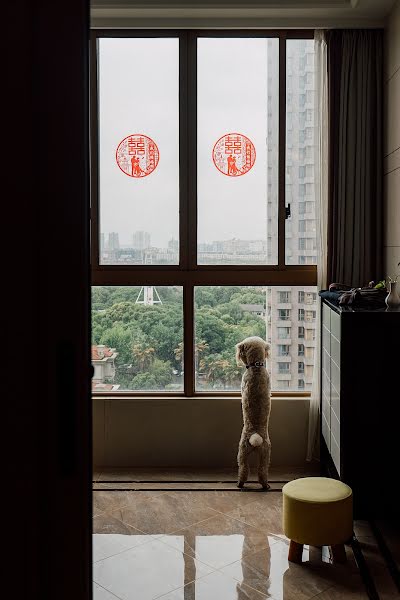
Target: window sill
pixel 213 397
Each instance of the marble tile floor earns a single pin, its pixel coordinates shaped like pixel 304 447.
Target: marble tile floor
pixel 219 545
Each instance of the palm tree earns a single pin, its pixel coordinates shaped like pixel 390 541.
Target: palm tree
pixel 200 347
pixel 143 355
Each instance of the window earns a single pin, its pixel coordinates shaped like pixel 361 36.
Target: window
pixel 223 316
pixel 301 154
pixel 283 384
pixel 283 333
pixel 301 314
pixel 307 297
pixel 300 350
pixel 138 140
pixel 191 251
pixel 301 332
pixel 137 338
pixel 310 335
pixel 309 352
pixel 300 367
pixel 283 297
pixel 283 314
pixel 232 155
pixel 283 350
pixel 307 260
pixel 300 384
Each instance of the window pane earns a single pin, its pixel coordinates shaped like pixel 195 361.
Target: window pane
pixel 225 316
pixel 139 150
pixel 300 152
pixel 137 338
pixel 237 145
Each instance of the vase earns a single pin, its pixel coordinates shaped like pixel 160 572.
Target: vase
pixel 392 299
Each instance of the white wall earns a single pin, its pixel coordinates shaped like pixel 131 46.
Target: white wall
pixel 190 432
pixel 392 142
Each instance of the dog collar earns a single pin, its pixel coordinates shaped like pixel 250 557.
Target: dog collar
pixel 255 364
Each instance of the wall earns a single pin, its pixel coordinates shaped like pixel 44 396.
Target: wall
pixel 190 432
pixel 392 142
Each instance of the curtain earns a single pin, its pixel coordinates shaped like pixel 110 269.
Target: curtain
pixel 355 195
pixel 321 212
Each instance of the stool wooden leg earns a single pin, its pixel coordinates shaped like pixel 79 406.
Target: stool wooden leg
pixel 295 552
pixel 338 553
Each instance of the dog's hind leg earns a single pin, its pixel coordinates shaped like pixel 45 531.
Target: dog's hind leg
pixel 243 461
pixel 264 454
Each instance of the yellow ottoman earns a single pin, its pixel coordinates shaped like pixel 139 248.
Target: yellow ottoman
pixel 317 511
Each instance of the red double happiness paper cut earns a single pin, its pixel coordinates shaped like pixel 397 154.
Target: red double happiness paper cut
pixel 137 155
pixel 234 154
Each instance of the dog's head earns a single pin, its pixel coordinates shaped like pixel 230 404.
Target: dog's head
pixel 251 350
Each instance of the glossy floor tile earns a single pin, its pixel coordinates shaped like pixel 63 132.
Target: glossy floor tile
pixel 164 513
pixel 107 501
pixel 215 545
pixel 215 586
pixel 220 540
pixel 147 571
pixel 270 573
pixel 264 513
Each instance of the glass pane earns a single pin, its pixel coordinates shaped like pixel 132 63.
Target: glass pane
pixel 139 151
pixel 300 152
pixel 237 145
pixel 225 316
pixel 137 338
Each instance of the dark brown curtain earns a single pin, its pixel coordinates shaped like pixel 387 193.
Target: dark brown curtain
pixel 355 64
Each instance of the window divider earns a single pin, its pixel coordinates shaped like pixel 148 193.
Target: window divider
pixel 188 341
pixel 192 150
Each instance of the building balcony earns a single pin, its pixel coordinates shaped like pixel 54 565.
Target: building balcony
pixel 281 322
pixel 283 376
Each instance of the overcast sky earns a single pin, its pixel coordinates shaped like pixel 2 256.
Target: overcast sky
pixel 138 82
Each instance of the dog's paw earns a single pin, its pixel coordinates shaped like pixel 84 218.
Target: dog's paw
pixel 240 484
pixel 265 486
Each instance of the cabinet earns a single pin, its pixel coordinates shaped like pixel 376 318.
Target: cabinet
pixel 360 399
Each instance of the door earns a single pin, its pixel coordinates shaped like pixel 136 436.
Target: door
pixel 47 412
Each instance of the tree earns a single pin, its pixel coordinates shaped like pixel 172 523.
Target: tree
pixel 142 355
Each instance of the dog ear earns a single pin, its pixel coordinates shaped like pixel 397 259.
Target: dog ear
pixel 239 348
pixel 267 350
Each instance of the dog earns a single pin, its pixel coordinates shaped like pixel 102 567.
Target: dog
pixel 256 408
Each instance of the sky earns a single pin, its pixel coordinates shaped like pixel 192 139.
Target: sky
pixel 138 93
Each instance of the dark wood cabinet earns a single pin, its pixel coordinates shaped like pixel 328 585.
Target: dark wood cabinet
pixel 360 404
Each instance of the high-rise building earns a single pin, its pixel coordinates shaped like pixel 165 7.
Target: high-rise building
pixel 113 241
pixel 141 240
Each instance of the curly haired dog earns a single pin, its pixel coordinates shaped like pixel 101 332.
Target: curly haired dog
pixel 256 408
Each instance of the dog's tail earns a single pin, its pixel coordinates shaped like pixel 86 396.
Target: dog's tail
pixel 255 440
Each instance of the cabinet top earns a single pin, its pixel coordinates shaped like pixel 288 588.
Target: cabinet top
pixel 350 309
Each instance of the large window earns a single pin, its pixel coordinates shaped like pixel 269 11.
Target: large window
pixel 137 338
pixel 203 225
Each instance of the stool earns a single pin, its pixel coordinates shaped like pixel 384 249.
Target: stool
pixel 317 511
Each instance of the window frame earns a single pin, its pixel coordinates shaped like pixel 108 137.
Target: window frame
pixel 188 273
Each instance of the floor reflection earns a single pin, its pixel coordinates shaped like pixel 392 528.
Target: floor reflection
pixel 211 546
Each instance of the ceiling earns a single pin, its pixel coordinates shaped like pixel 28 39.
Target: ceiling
pixel 235 13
